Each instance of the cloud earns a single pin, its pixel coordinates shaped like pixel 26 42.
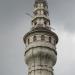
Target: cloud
pixel 63 12
pixel 66 54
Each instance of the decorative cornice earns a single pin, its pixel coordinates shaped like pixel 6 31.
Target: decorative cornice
pixel 43 30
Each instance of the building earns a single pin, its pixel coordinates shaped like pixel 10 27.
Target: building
pixel 40 41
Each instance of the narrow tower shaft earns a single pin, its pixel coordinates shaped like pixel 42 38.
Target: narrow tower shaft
pixel 40 41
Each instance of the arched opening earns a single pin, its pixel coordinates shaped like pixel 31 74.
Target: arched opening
pixel 45 13
pixel 45 23
pixel 50 39
pixel 28 41
pixel 34 38
pixel 35 23
pixel 42 37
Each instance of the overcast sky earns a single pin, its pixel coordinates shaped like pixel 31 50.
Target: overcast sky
pixel 14 24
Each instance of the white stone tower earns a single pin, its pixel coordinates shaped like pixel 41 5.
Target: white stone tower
pixel 40 41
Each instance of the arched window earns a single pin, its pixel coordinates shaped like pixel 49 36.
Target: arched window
pixel 34 38
pixel 50 39
pixel 35 23
pixel 45 13
pixel 42 37
pixel 45 23
pixel 28 41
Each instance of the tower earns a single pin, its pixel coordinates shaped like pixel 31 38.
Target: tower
pixel 40 41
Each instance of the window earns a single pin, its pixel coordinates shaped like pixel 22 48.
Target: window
pixel 50 39
pixel 34 38
pixel 45 13
pixel 45 23
pixel 42 37
pixel 35 23
pixel 28 41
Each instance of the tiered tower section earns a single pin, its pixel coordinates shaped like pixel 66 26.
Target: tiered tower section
pixel 41 18
pixel 40 41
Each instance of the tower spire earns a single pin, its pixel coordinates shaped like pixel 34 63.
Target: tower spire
pixel 40 14
pixel 40 41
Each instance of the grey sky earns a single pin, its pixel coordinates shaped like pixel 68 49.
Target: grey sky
pixel 14 24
